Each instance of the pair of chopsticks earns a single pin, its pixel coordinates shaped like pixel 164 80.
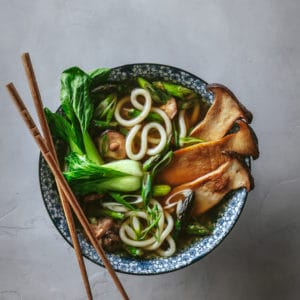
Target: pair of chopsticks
pixel 46 146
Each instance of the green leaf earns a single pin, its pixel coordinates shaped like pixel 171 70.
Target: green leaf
pixel 146 191
pixel 134 251
pixel 65 99
pixel 157 95
pixel 191 140
pixel 98 76
pixel 110 213
pixel 75 88
pixel 151 162
pixel 154 217
pixel 106 108
pixel 58 125
pixel 175 134
pixel 61 128
pixel 153 166
pixel 175 90
pixel 105 125
pixel 167 158
pixel 120 199
pixel 152 116
pixel 76 101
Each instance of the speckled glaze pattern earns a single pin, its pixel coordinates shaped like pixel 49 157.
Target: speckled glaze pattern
pixel 231 209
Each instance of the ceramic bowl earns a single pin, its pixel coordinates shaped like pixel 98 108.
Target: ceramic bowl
pixel 229 210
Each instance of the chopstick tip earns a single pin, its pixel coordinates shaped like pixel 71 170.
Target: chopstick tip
pixel 9 85
pixel 25 55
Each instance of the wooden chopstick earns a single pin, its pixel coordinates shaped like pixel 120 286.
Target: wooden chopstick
pixel 36 96
pixel 63 183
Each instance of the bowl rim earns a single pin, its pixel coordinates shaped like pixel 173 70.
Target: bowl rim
pixel 160 65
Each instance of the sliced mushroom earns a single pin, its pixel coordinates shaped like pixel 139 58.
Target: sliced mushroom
pixel 102 226
pixel 111 144
pixel 211 188
pixel 197 160
pixel 111 241
pixel 170 108
pixel 225 110
pixel 183 209
pixel 92 197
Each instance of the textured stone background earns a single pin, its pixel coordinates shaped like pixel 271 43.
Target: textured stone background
pixel 251 46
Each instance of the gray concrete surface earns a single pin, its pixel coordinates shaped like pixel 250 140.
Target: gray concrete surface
pixel 251 46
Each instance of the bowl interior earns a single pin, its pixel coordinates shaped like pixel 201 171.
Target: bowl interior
pixel 226 213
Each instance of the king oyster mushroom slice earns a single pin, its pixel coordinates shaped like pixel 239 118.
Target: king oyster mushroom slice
pixel 225 110
pixel 211 188
pixel 170 108
pixel 202 158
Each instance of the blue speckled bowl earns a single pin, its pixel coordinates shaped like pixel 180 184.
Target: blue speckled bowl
pixel 231 209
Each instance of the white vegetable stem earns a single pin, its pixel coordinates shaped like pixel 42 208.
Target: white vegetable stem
pixel 182 126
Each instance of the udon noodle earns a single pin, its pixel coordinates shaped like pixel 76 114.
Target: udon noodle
pixel 136 126
pixel 136 220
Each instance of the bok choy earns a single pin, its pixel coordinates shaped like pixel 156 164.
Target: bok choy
pixel 62 129
pixel 78 107
pixel 84 176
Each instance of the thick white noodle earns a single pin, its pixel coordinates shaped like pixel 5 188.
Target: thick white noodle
pixel 171 250
pixel 165 118
pixel 129 143
pixel 145 109
pixel 171 205
pixel 161 221
pixel 130 232
pixel 138 199
pixel 164 234
pixel 135 124
pixel 125 228
pixel 144 140
pixel 140 214
pixel 117 207
pixel 136 224
pixel 165 227
pixel 168 125
pixel 182 126
pixel 161 113
pixel 163 137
